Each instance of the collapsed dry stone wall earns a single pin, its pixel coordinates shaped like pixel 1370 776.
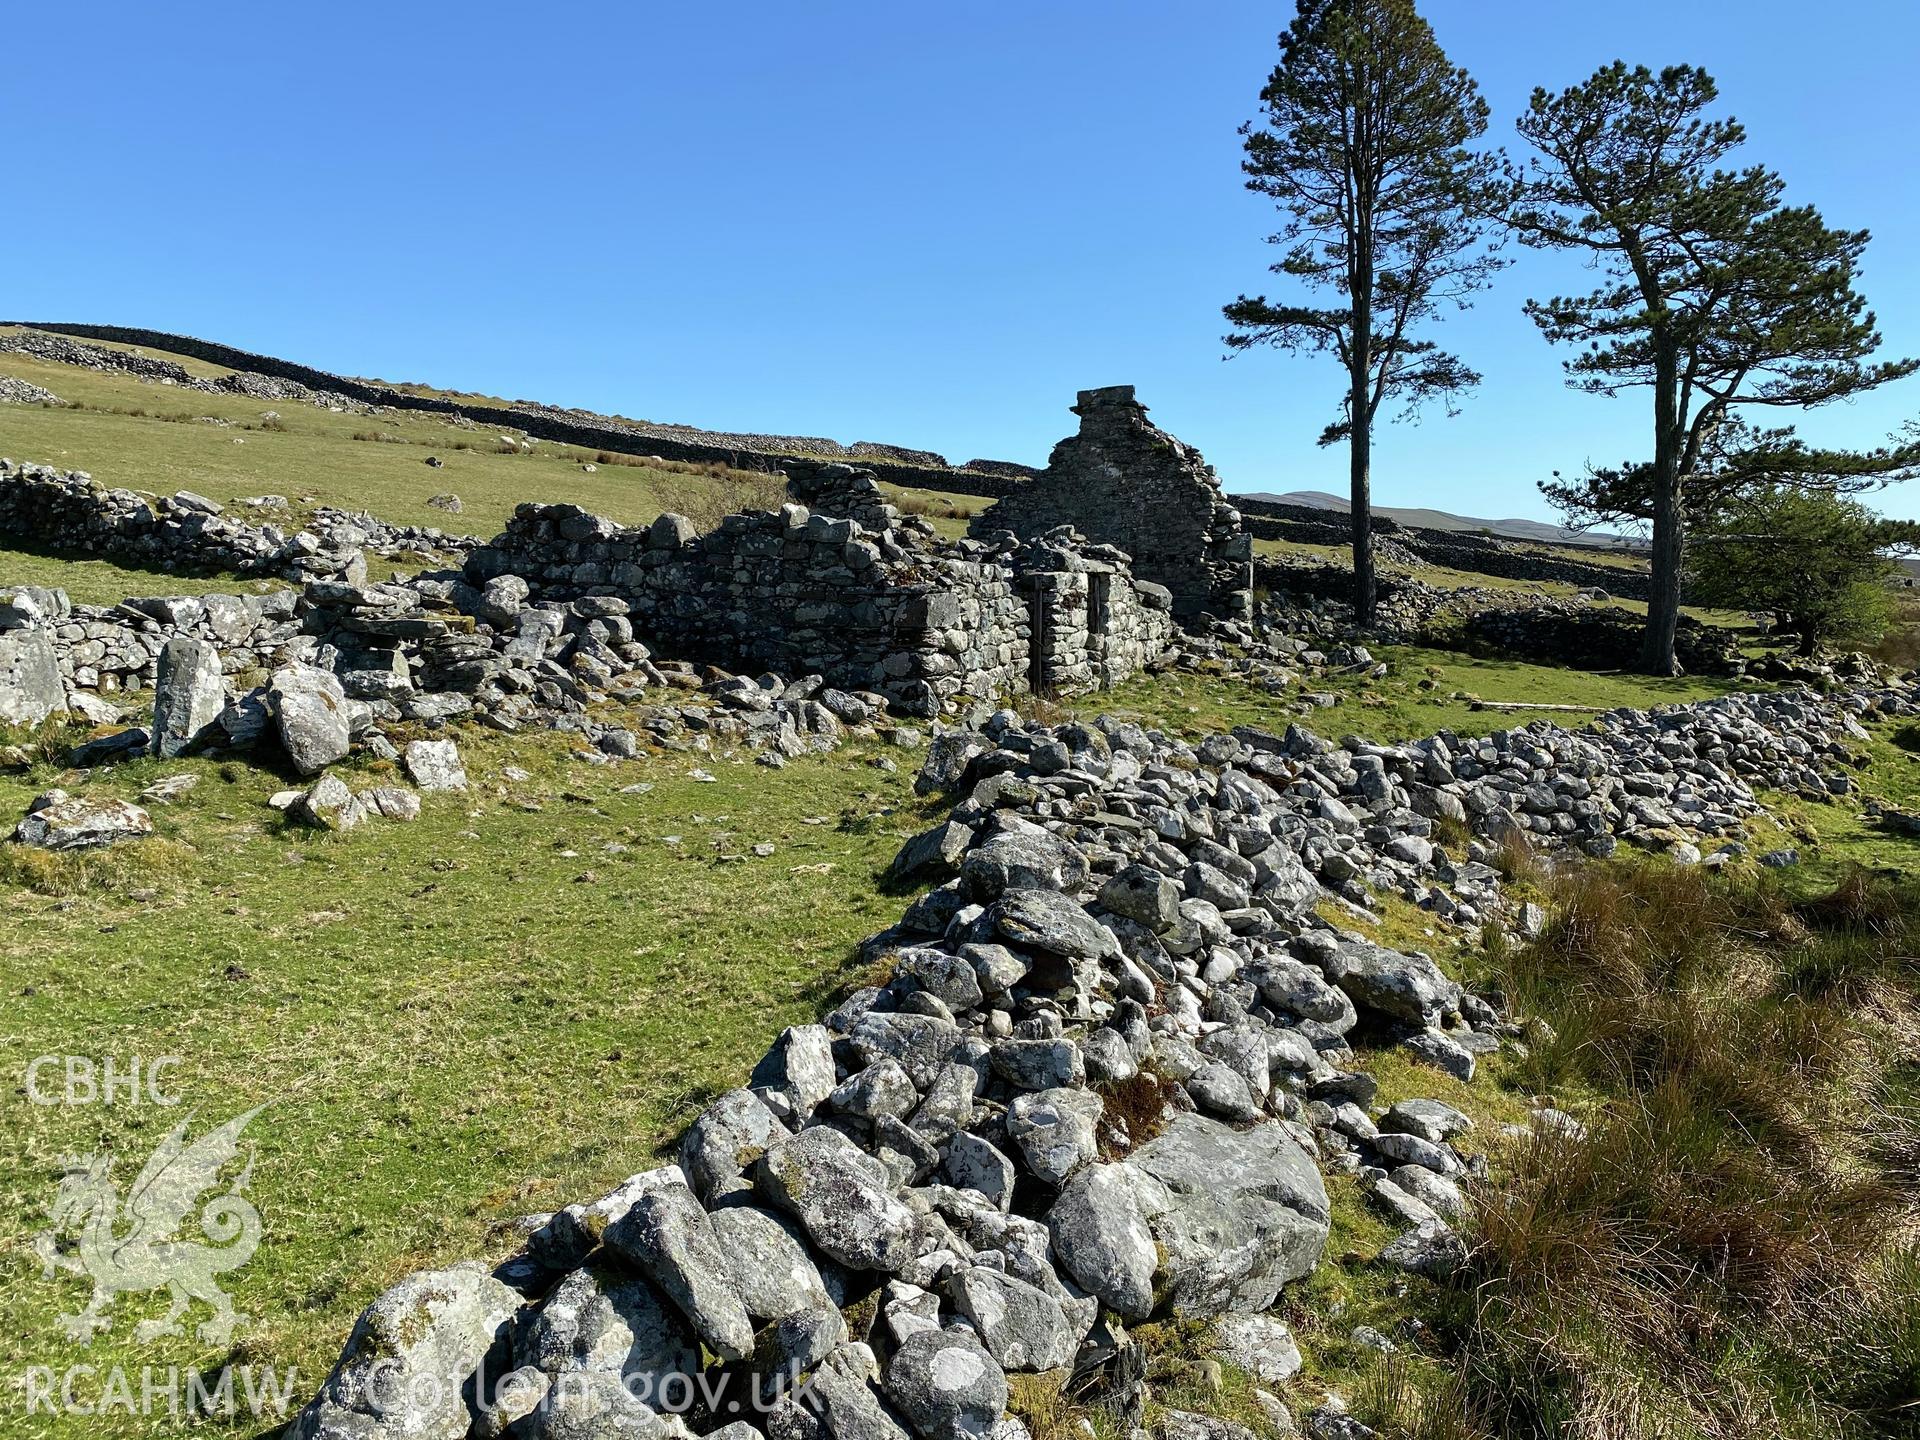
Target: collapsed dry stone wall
pixel 67 512
pixel 934 1190
pixel 1584 636
pixel 847 611
pixel 863 596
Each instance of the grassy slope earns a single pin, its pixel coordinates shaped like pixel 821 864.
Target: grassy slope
pixel 448 1024
pixel 1425 691
pixel 311 456
pixel 315 455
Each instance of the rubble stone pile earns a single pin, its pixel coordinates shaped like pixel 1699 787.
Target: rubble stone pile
pixel 15 391
pixel 1105 1078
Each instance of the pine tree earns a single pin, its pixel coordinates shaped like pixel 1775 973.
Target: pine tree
pixel 1364 147
pixel 1716 296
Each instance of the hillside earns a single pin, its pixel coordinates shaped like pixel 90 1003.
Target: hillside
pixel 1444 520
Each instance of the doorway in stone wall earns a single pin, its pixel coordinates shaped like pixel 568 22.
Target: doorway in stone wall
pixel 1039 641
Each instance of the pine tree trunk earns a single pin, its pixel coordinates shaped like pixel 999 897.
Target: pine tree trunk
pixel 1360 437
pixel 1663 597
pixel 1361 499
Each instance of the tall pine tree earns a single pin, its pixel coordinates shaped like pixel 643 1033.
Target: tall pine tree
pixel 1716 297
pixel 1364 148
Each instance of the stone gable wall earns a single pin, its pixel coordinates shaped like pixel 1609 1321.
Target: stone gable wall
pixel 1123 482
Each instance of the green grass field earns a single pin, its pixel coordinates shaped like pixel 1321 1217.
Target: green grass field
pixel 500 1008
pixel 1425 690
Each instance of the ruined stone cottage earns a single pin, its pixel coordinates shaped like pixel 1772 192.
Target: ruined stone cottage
pixel 838 584
pixel 842 585
pixel 1123 482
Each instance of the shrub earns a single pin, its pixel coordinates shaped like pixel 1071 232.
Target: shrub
pixel 713 496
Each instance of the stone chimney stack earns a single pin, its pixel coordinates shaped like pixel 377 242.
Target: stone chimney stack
pixel 1108 399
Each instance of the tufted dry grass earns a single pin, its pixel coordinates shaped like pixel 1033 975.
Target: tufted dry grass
pixel 1727 1249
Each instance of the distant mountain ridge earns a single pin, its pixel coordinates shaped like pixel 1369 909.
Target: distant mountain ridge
pixel 1443 520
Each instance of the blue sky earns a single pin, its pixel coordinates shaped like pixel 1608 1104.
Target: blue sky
pixel 928 224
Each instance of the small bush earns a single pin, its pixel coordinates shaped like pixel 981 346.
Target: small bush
pixel 710 498
pixel 1899 645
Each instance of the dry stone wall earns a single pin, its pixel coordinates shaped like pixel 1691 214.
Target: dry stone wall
pixel 902 466
pixel 1459 550
pixel 110 648
pixel 68 513
pixel 843 587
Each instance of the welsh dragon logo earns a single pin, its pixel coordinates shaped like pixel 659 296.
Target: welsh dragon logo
pixel 134 1246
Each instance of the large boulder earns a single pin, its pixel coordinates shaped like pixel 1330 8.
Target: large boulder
pixel 1023 1327
pixel 946 1385
pixel 603 1317
pixel 410 1356
pixel 841 1391
pixel 435 765
pixel 931 854
pixel 1407 988
pixel 74 822
pixel 840 1195
pixel 309 708
pixel 1031 859
pixel 669 1239
pixel 1237 1214
pixel 1055 1130
pixel 797 1072
pixel 1143 896
pixel 188 695
pixel 1287 889
pixel 1103 1241
pixel 771 1268
pixel 726 1139
pixel 30 686
pixel 1047 920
